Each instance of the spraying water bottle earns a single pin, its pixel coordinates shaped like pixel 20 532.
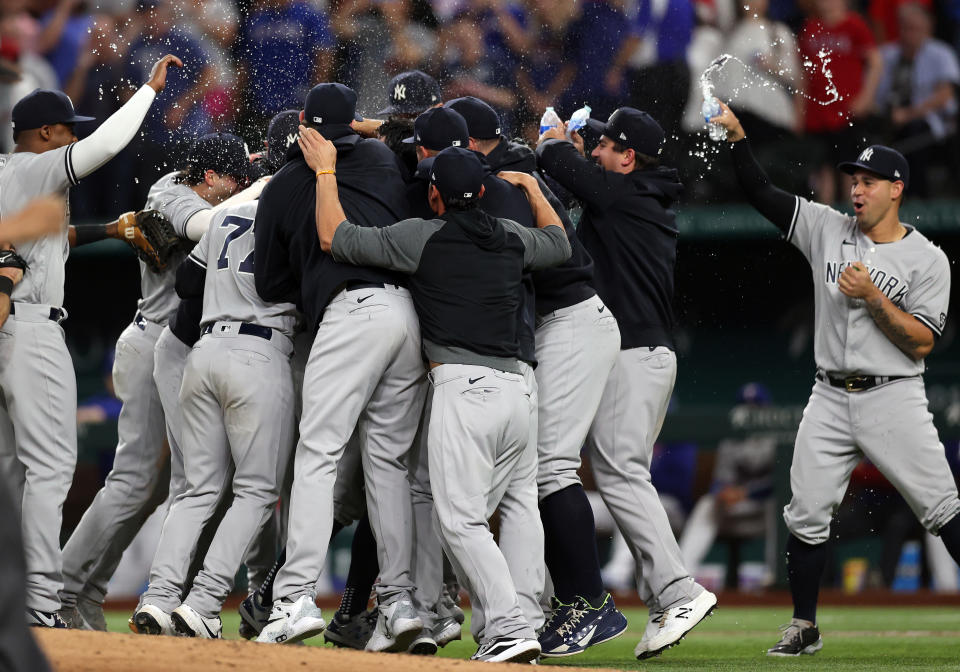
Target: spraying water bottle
pixel 578 120
pixel 711 108
pixel 549 120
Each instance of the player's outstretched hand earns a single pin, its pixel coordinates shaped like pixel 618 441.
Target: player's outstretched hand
pixel 729 121
pixel 158 75
pixel 319 153
pixel 40 217
pixel 366 128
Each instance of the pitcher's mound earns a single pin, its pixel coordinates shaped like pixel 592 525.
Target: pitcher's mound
pixel 79 651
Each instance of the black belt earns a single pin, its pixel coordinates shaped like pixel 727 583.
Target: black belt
pixel 856 383
pixel 246 329
pixel 55 313
pixel 358 284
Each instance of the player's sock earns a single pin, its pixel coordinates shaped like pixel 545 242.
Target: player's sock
pixel 950 534
pixel 805 563
pixel 364 568
pixel 570 544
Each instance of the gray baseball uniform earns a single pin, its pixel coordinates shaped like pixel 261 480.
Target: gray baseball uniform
pixel 477 430
pixel 889 423
pixel 38 404
pixel 238 419
pixel 140 453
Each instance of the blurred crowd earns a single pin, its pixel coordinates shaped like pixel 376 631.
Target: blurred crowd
pixel 892 63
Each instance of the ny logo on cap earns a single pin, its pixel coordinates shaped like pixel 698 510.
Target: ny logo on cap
pixel 400 92
pixel 866 155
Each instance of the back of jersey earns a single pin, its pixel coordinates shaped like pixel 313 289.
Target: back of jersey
pixel 23 177
pixel 229 294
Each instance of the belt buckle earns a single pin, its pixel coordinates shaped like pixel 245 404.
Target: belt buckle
pixel 851 383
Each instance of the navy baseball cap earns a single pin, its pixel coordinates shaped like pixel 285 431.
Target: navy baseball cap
pixel 439 128
pixel 483 122
pixel 632 128
pixel 44 107
pixel 223 153
pixel 281 134
pixel 457 172
pixel 411 93
pixel 881 160
pixel 330 103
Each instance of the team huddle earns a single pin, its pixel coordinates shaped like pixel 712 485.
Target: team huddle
pixel 396 324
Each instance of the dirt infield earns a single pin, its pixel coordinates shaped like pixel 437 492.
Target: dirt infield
pixel 76 651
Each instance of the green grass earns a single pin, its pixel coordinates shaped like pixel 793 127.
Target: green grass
pixel 855 639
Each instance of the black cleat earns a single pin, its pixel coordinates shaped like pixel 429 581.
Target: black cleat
pixel 797 640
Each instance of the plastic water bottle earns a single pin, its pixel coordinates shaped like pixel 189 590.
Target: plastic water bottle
pixel 578 120
pixel 550 119
pixel 907 577
pixel 711 108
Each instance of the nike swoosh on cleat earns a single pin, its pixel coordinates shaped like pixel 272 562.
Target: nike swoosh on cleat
pixel 585 640
pixel 48 621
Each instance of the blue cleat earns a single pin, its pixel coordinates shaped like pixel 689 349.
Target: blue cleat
pixel 574 628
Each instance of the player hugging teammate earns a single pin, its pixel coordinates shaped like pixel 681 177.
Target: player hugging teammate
pixel 414 342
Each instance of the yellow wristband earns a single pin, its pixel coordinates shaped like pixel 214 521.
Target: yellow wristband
pixel 325 172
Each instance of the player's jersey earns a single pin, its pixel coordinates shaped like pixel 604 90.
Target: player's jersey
pixel 178 203
pixel 912 272
pixel 23 177
pixel 229 294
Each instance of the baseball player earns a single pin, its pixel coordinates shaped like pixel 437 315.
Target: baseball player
pixel 465 270
pixel 522 541
pixel 577 341
pixel 881 292
pixel 629 230
pixel 215 164
pixel 37 408
pixel 238 424
pixel 364 366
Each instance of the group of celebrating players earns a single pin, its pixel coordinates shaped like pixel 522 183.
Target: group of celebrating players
pixel 396 324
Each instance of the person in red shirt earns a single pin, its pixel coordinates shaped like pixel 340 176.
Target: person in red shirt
pixel 836 105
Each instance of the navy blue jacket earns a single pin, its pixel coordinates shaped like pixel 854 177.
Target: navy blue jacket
pixel 630 230
pixel 288 262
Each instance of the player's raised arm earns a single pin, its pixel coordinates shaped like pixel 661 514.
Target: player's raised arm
pixel 772 202
pixel 119 128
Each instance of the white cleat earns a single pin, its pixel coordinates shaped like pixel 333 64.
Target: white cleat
pixel 508 650
pixel 674 624
pixel 397 627
pixel 152 620
pixel 292 622
pixel 188 623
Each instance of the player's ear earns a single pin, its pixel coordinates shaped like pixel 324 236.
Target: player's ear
pixel 629 157
pixel 209 177
pixel 45 132
pixel 896 190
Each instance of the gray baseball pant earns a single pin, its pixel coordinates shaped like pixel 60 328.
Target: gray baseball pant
pixel 39 410
pixel 237 401
pixel 477 437
pixel 620 445
pixel 889 424
pixel 138 463
pixel 170 359
pixel 577 348
pixel 364 371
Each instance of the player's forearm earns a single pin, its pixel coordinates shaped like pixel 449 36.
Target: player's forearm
pixel 113 134
pixel 543 213
pixel 5 304
pixel 904 330
pixel 91 233
pixel 199 222
pixel 773 203
pixel 329 213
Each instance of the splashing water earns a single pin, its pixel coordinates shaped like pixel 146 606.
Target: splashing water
pixel 710 106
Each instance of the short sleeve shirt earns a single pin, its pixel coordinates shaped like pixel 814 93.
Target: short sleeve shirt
pixel 912 272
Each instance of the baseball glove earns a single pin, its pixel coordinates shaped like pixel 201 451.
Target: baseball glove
pixel 151 236
pixel 10 259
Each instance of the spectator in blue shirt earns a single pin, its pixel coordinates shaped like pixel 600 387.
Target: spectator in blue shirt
pixel 177 115
pixel 67 25
pixel 285 48
pixel 652 61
